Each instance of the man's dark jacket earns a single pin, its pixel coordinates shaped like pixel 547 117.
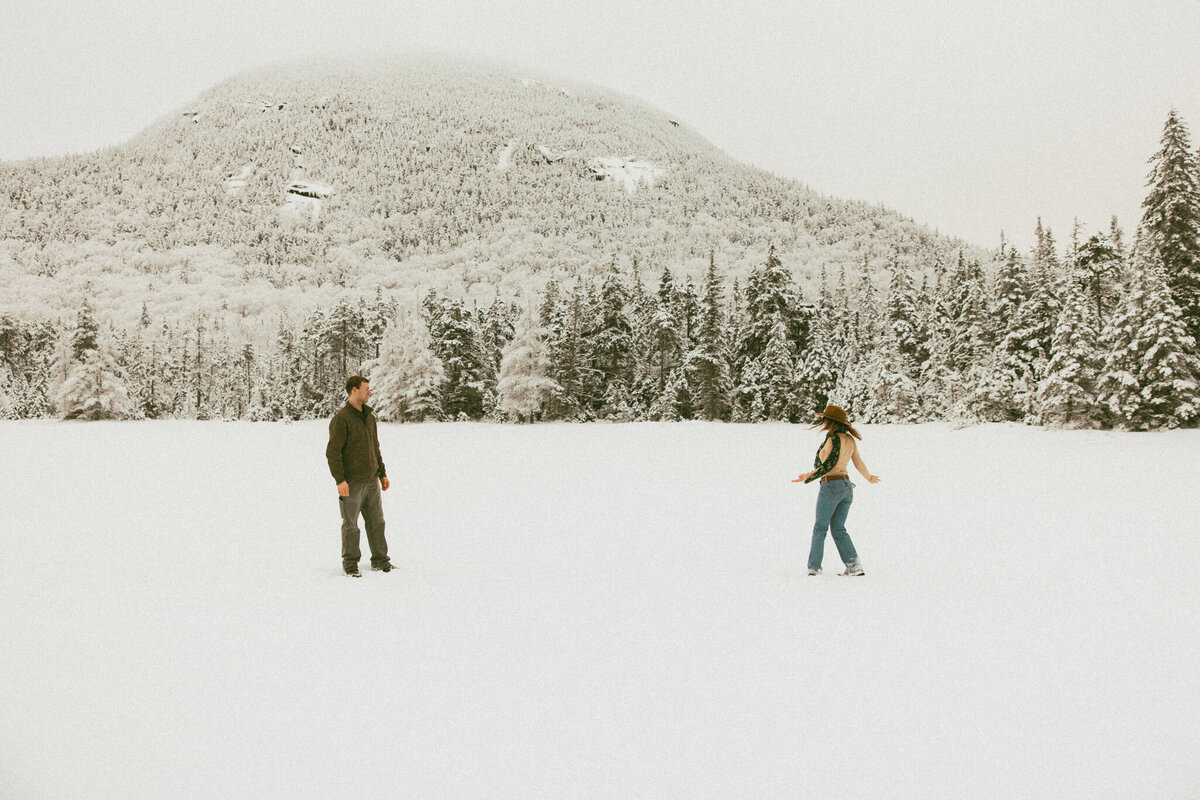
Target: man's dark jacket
pixel 353 451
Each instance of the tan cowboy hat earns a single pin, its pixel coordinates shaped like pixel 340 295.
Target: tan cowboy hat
pixel 837 415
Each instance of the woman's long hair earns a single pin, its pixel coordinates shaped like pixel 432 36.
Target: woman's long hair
pixel 833 426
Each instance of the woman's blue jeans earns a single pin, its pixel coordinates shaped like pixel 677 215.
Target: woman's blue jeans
pixel 833 504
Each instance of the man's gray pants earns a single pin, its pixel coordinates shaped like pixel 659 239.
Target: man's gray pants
pixel 367 499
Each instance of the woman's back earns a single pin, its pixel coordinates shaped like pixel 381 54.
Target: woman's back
pixel 848 448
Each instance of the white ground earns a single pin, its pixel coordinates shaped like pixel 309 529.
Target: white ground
pixel 629 172
pixel 597 611
pixel 505 160
pixel 236 183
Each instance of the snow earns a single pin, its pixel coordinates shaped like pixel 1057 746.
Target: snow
pixel 597 611
pixel 236 183
pixel 629 172
pixel 552 156
pixel 305 197
pixel 505 160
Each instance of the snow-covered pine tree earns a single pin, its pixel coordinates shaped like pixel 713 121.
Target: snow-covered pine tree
pixel 664 339
pixel 1151 375
pixel 821 363
pixel 570 357
pixel 94 389
pixel 377 314
pixel 706 362
pixel 1005 387
pixel 455 342
pixel 972 338
pixel 1009 292
pixel 1170 368
pixel 901 313
pixel 876 386
pixel 524 386
pixel 869 324
pixel 87 330
pixel 688 315
pixel 283 399
pixel 937 382
pixel 749 404
pixel 1066 395
pixel 611 343
pixel 1098 269
pixel 1171 220
pixel 407 378
pixel 496 329
pixel 770 298
pixel 778 365
pixel 818 372
pixel 939 387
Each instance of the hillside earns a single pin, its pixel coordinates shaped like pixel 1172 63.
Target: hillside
pixel 282 188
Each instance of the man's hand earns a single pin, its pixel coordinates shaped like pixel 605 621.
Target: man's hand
pixel 802 478
pixel 385 483
pixel 344 489
pixel 873 479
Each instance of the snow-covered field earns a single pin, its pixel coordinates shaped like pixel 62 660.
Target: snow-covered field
pixel 597 611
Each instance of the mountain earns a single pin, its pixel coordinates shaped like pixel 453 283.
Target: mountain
pixel 284 187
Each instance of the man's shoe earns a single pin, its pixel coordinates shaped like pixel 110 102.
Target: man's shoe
pixel 353 572
pixel 853 569
pixel 816 571
pixel 384 567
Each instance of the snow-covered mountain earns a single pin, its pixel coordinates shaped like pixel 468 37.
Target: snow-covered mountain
pixel 282 186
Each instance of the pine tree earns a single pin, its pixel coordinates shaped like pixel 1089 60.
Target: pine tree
pixel 1066 395
pixel 666 343
pixel 611 344
pixel 86 331
pixel 770 298
pixel 1098 269
pixel 971 337
pixel 524 386
pixel 94 390
pixel 707 361
pixel 901 311
pixel 1171 221
pixel 455 342
pixel 285 376
pixel 570 357
pixel 778 365
pixel 1004 387
pixel 407 378
pixel 1170 367
pixel 1151 376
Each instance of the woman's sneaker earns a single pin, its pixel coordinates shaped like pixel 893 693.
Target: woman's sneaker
pixel 852 569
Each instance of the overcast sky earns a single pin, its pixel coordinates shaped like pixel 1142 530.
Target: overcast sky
pixel 970 117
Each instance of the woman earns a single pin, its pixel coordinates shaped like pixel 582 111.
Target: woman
pixel 837 492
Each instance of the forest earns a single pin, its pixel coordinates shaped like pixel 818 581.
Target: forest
pixel 210 273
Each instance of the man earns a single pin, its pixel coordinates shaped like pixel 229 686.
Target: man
pixel 357 467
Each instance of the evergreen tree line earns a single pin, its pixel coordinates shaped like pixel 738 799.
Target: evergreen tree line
pixel 1103 337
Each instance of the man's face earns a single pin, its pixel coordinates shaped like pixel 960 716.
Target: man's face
pixel 362 393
